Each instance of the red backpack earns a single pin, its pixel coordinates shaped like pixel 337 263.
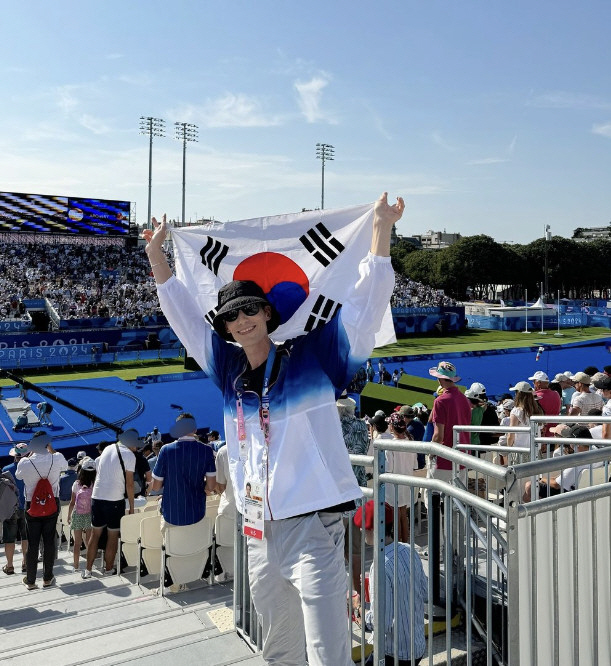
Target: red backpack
pixel 43 501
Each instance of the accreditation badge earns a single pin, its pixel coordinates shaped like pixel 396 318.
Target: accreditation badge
pixel 254 509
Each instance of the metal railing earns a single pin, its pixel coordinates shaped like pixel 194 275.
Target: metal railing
pixel 500 585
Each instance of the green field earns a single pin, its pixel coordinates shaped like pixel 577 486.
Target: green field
pixel 473 340
pixel 126 371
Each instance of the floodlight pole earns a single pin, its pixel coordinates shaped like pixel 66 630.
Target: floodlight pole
pixel 324 152
pixel 185 132
pixel 152 127
pixel 547 236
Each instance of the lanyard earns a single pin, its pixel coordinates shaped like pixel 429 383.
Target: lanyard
pixel 264 418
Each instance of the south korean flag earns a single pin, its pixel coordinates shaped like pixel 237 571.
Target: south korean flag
pixel 306 263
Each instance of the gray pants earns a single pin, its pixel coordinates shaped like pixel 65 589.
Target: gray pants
pixel 299 585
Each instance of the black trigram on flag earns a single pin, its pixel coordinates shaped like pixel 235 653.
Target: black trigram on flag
pixel 209 317
pixel 213 253
pixel 321 244
pixel 324 309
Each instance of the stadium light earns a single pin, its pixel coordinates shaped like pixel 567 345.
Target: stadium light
pixel 185 132
pixel 324 152
pixel 152 127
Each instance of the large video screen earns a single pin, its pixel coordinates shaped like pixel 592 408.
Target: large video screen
pixel 41 213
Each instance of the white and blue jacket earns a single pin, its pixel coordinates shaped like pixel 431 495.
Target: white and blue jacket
pixel 308 465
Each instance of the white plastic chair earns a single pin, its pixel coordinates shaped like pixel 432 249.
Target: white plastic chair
pixel 224 538
pixel 149 544
pixel 599 475
pixel 185 550
pixel 130 533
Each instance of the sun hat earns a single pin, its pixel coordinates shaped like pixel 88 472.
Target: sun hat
pixel 238 294
pixel 582 378
pixel 603 383
pixel 346 402
pixel 476 391
pixel 397 421
pixel 523 387
pixel 445 370
pixel 366 522
pixel 561 377
pixel 407 411
pixel 20 449
pixel 539 376
pixel 88 464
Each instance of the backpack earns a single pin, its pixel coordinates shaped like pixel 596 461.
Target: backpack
pixel 43 502
pixel 8 496
pixel 82 502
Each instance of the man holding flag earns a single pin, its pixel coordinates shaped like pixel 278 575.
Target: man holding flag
pixel 284 438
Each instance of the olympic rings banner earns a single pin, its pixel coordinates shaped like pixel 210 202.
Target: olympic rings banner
pixel 306 263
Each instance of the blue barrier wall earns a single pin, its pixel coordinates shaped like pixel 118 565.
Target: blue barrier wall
pixel 425 320
pixel 569 320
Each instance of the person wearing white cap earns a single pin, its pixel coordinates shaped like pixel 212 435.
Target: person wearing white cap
pixel 583 399
pixel 549 400
pixel 525 407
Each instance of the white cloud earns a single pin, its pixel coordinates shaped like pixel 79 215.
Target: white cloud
pixel 441 142
pixel 486 160
pixel 310 97
pixel 95 125
pixel 230 110
pixel 561 99
pixel 603 130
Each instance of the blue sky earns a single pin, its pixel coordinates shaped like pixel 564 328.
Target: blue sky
pixel 489 117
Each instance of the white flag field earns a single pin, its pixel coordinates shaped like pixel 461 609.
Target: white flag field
pixel 306 263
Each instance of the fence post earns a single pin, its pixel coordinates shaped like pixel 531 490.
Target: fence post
pixel 512 491
pixel 379 565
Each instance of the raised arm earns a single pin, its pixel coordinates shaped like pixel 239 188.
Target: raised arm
pixel 154 250
pixel 384 217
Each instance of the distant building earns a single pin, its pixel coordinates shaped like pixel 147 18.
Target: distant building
pixel 591 233
pixel 435 240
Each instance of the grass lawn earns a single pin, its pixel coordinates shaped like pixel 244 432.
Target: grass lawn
pixel 127 371
pixel 473 340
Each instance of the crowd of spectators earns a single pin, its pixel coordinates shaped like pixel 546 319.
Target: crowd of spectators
pixel 411 294
pixel 80 281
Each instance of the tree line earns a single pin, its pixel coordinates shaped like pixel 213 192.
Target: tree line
pixel 576 269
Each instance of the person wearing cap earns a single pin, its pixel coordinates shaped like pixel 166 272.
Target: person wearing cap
pixel 284 437
pixel 567 389
pixel 79 509
pixel 568 478
pixel 408 565
pixel 504 415
pixel 66 481
pixel 482 413
pixel 525 407
pixel 450 408
pixel 114 481
pixel 378 429
pixel 186 473
pixel 42 462
pixel 604 386
pixel 583 399
pixel 548 399
pixel 16 523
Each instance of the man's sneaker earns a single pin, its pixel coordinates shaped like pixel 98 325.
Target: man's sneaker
pixel 30 586
pixel 48 583
pixel 86 573
pixel 75 570
pixel 110 572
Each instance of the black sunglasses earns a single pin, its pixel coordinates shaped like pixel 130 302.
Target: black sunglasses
pixel 250 310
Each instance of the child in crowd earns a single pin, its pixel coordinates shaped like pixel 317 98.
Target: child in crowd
pixel 79 510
